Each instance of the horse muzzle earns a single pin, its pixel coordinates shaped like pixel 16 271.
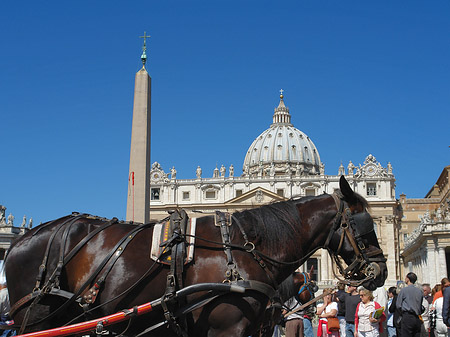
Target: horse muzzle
pixel 372 270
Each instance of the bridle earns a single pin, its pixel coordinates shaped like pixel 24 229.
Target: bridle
pixel 354 227
pixel 308 285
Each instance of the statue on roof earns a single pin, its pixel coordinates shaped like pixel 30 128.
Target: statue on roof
pixel 322 169
pixel 288 170
pixel 389 168
pixel 198 172
pixel 10 220
pixel 272 170
pixel 341 170
pixel 173 173
pixel 350 168
pixel 247 170
pixel 231 170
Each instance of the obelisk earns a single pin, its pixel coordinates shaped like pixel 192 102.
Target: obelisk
pixel 138 200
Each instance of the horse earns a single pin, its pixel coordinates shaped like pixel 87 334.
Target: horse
pixel 81 267
pixel 298 285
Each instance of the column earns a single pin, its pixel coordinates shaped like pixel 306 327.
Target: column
pixel 324 275
pixel 442 263
pixel 432 266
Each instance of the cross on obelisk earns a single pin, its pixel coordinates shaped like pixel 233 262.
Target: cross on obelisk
pixel 144 48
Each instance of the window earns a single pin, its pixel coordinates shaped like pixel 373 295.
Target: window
pixel 154 194
pixel 238 193
pixel 210 194
pixel 371 189
pixel 280 192
pixel 312 262
pixel 310 192
pixel 186 195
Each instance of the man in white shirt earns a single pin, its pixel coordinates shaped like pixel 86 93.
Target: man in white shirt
pixel 294 322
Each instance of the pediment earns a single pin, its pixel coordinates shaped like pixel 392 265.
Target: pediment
pixel 256 196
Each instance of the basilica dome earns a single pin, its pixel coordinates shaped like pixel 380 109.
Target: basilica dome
pixel 282 150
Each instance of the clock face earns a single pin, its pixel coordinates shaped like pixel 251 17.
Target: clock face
pixel 156 176
pixel 370 170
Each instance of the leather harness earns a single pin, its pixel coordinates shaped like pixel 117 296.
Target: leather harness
pixel 177 244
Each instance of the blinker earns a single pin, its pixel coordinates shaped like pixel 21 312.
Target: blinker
pixel 364 223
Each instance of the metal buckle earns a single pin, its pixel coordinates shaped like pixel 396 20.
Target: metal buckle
pixel 218 222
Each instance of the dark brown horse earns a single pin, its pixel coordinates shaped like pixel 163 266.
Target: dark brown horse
pixel 265 246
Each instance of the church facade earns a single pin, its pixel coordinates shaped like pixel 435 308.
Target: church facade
pixel 425 235
pixel 283 162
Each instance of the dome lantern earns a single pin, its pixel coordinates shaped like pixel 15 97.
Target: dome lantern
pixel 281 114
pixel 282 150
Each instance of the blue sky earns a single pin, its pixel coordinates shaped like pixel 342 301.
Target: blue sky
pixel 360 77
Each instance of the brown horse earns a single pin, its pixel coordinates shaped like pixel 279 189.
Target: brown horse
pixel 90 259
pixel 298 285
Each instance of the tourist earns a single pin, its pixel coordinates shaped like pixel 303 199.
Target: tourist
pixel 425 317
pixel 294 322
pixel 445 290
pixel 445 282
pixel 391 315
pixel 310 312
pixel 340 296
pixel 409 301
pixel 380 296
pixel 434 290
pixel 366 325
pixel 396 311
pixel 351 299
pixel 440 329
pixel 427 292
pixel 327 310
pixel 4 308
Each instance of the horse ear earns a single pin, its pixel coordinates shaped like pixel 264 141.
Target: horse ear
pixel 346 190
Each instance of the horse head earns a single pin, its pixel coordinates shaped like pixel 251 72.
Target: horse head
pixel 305 285
pixel 354 239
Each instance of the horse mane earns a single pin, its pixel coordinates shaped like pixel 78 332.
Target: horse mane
pixel 274 222
pixel 269 224
pixel 361 200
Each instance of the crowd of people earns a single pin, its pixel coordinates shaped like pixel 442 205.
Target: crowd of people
pixel 408 310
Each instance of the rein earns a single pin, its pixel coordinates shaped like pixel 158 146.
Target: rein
pixel 312 301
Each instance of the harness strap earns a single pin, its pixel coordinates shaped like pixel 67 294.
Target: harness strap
pixel 55 291
pixel 43 266
pixel 352 242
pixel 41 293
pixel 109 263
pixel 337 220
pixel 232 274
pixel 255 254
pixel 177 245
